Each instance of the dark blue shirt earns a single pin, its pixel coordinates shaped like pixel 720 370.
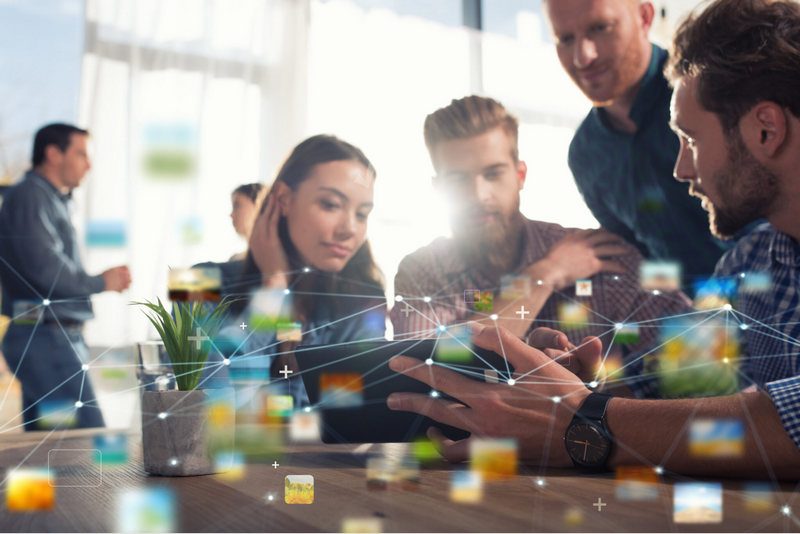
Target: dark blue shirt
pixel 626 180
pixel 39 257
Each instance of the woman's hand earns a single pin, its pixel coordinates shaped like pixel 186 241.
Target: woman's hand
pixel 266 248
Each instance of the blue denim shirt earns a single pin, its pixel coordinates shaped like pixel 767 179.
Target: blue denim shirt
pixel 39 255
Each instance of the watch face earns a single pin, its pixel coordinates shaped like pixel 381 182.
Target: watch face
pixel 587 444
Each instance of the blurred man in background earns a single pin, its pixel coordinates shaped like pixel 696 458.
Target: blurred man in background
pixel 45 288
pixel 623 153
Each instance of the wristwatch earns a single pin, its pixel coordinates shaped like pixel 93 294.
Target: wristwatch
pixel 587 439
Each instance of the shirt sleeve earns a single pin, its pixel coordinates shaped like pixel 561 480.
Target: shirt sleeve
pixel 786 396
pixel 40 251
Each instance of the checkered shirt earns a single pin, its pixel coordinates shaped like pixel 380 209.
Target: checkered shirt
pixel 438 271
pixel 772 317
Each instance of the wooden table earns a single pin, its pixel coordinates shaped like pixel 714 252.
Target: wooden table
pixel 216 504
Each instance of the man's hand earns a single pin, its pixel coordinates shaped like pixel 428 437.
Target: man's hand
pixel 580 255
pixel 585 360
pixel 117 279
pixel 535 411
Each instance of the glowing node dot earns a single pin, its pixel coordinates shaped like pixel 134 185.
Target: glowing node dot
pixel 78 404
pixel 725 360
pixel 540 482
pixel 618 326
pixel 539 282
pixel 428 362
pixel 398 298
pixel 743 327
pixel 656 292
pixel 742 275
pixel 616 277
pixel 493 317
pixel 174 461
pixel 556 399
pixel 786 510
pixel 226 361
pixel 426 299
pixel 434 393
pixel 308 408
pixel 85 367
pixel 162 415
pixel 286 291
pixel 727 307
pixel 306 270
pixel 270 497
pixel 511 381
pixel 441 327
pixel 659 470
pixel 46 302
pixel 593 384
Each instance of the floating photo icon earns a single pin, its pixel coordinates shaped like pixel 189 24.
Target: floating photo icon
pixel 573 516
pixel 379 473
pixel 197 284
pixel 146 510
pixel 267 310
pixel 106 234
pixel 714 293
pixel 27 311
pixel 290 331
pixel 362 525
pixel 573 315
pixel 583 288
pixel 424 451
pixel 299 489
pixel 190 230
pixel 280 405
pixel 636 483
pixel 304 427
pixel 716 438
pixel 495 459
pixel 111 449
pixel 472 296
pixel 230 465
pixel 756 282
pixel 486 303
pixel 29 490
pixel 57 413
pixel 466 486
pixel 392 472
pixel 758 497
pixel 660 275
pixel 341 390
pixel 452 349
pixel 515 286
pixel 169 150
pixel 698 502
pixel 628 334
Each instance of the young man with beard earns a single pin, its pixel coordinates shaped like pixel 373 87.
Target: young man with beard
pixel 473 148
pixel 736 111
pixel 622 154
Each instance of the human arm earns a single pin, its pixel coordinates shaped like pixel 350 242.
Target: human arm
pixel 538 408
pixel 267 249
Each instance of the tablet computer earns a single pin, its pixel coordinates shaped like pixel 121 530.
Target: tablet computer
pixel 349 383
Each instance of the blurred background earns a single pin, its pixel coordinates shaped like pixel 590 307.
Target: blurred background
pixel 187 99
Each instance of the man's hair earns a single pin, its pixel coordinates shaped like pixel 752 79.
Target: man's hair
pixel 741 52
pixel 53 134
pixel 468 117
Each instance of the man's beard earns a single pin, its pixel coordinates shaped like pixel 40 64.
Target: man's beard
pixel 746 190
pixel 627 76
pixel 494 245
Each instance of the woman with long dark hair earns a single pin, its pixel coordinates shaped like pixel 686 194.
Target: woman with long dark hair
pixel 309 263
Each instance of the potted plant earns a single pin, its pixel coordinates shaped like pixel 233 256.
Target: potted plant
pixel 189 430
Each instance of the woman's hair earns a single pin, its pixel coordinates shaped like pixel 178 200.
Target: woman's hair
pixel 255 192
pixel 361 275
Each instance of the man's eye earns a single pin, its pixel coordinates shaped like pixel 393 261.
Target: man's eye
pixel 565 40
pixel 329 205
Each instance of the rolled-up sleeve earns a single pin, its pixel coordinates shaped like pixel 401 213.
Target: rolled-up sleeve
pixel 786 396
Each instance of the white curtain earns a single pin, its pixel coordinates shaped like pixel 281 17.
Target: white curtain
pixel 185 100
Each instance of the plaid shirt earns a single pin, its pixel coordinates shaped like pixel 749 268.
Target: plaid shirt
pixel 771 317
pixel 438 271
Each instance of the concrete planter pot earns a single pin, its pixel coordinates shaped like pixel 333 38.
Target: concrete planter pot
pixel 186 433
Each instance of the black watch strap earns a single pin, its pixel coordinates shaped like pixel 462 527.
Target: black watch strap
pixel 594 407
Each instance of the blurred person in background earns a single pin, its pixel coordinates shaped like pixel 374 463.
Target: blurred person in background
pixel 308 263
pixel 246 201
pixel 40 264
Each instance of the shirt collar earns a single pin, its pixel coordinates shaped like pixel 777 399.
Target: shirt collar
pixel 37 175
pixel 784 249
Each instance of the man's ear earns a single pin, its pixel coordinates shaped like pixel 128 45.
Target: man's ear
pixel 52 154
pixel 764 129
pixel 283 195
pixel 646 14
pixel 522 172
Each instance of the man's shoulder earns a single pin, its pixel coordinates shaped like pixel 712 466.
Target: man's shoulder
pixel 751 250
pixel 429 256
pixel 23 195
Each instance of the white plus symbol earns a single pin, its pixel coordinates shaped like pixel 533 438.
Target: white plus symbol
pixel 522 312
pixel 199 338
pixel 406 311
pixel 242 326
pixel 286 372
pixel 600 504
pixel 275 465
